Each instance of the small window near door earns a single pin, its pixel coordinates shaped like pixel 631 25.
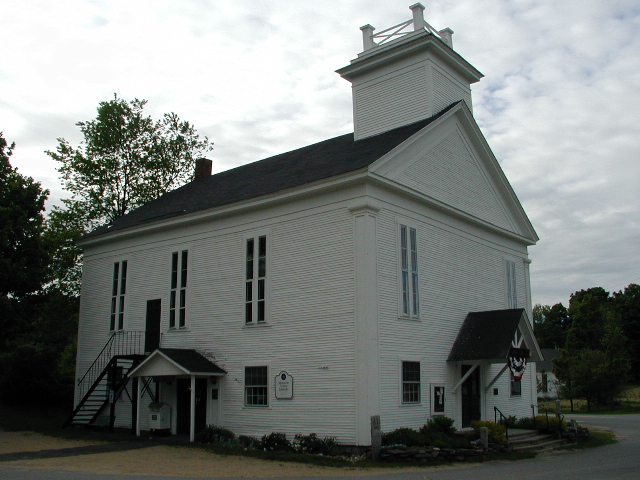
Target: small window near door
pixel 410 382
pixel 256 390
pixel 516 387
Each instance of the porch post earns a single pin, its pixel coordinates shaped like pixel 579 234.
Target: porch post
pixel 192 420
pixel 138 392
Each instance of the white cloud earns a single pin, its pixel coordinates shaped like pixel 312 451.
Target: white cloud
pixel 558 104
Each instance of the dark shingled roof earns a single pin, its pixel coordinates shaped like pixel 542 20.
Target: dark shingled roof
pixel 486 335
pixel 191 360
pixel 319 161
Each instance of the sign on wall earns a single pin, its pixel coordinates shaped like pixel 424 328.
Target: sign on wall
pixel 284 386
pixel 438 399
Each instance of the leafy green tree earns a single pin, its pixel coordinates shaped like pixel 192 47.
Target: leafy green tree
pixel 598 375
pixel 551 325
pixel 24 257
pixel 125 160
pixel 36 354
pixel 590 313
pixel 627 306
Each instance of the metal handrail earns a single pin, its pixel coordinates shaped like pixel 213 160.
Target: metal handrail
pixel 497 411
pixel 129 342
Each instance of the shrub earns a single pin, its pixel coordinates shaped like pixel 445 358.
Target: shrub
pixel 438 424
pixel 275 441
pixel 497 432
pixel 546 424
pixel 403 436
pixel 215 434
pixel 313 444
pixel 248 442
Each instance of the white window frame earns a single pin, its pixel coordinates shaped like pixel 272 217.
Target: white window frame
pixel 408 271
pixel 512 284
pixel 178 288
pixel 256 279
pixel 246 387
pixel 404 382
pixel 120 272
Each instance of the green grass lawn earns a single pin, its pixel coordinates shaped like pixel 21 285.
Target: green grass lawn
pixel 629 404
pixel 48 421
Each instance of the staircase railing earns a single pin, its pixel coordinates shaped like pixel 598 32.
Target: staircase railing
pixel 120 343
pixel 503 421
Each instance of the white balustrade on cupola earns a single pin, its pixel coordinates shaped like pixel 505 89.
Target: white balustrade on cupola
pixel 371 40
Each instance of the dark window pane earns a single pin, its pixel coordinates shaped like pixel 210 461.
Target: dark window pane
pixel 172 318
pixel 249 259
pixel 183 317
pixel 116 268
pixel 174 270
pixel 113 313
pixel 183 276
pixel 123 282
pixel 411 371
pixel 261 317
pixel 248 313
pixel 405 293
pixel 260 289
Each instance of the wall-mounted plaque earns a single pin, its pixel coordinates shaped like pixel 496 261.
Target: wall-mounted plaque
pixel 284 386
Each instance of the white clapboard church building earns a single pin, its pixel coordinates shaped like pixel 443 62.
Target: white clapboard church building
pixel 379 273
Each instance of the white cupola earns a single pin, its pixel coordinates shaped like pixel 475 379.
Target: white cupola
pixel 405 75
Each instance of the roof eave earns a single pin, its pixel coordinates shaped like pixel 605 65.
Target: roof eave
pixel 265 201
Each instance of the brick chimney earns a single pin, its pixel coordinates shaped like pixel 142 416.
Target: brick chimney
pixel 203 168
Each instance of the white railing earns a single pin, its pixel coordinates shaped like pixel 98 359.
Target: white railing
pixel 371 40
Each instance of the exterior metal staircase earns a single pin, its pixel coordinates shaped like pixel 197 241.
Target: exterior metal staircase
pixel 106 379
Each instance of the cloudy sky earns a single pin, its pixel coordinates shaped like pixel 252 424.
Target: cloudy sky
pixel 559 103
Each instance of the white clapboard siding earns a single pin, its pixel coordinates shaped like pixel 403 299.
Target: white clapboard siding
pixel 390 102
pixel 458 274
pixel 310 328
pixel 451 174
pixel 447 90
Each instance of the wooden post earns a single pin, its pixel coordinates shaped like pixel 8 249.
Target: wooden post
pixel 376 438
pixel 192 420
pixel 134 404
pixel 138 393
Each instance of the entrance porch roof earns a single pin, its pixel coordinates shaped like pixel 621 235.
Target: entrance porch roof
pixel 488 336
pixel 176 361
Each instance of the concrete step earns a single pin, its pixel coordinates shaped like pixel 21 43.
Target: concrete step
pixel 538 447
pixel 521 432
pixel 535 438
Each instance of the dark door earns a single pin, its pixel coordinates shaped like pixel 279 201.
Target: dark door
pixel 183 407
pixel 470 395
pixel 152 334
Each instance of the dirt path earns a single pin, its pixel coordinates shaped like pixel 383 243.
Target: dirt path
pixel 163 460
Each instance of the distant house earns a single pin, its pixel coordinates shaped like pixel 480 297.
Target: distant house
pixel 379 273
pixel 547 381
